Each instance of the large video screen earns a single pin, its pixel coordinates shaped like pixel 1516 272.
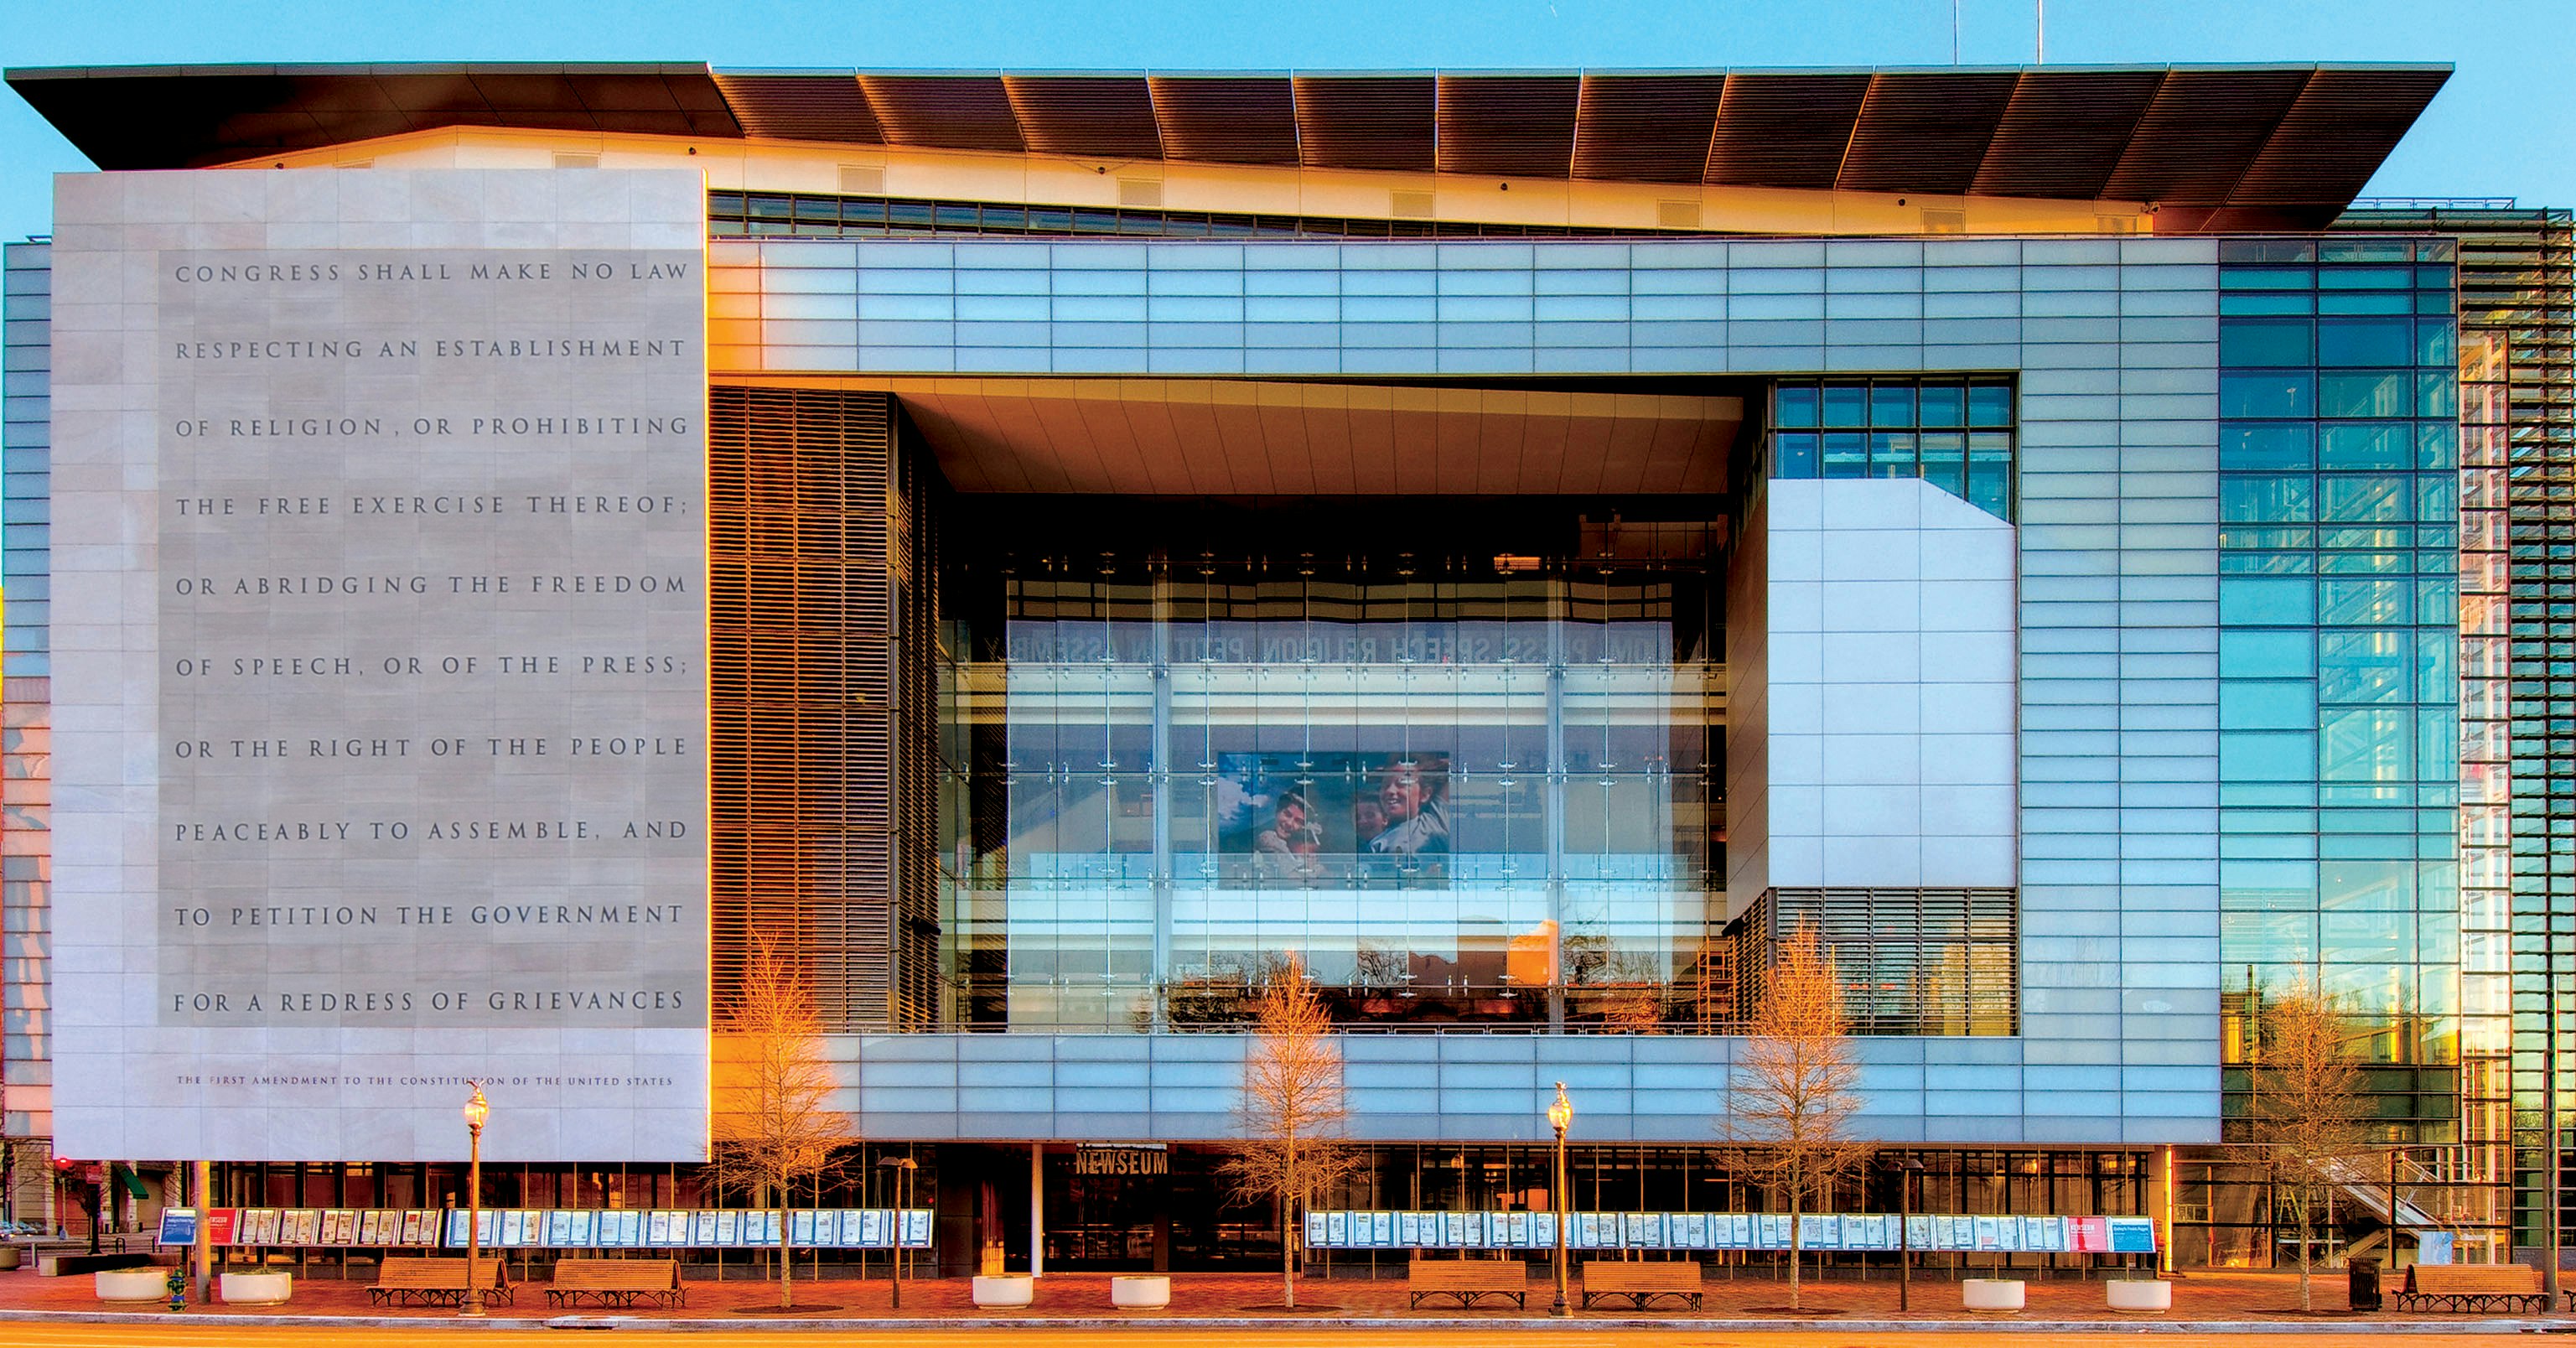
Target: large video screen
pixel 1389 812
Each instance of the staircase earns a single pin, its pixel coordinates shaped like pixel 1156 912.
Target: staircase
pixel 2370 1192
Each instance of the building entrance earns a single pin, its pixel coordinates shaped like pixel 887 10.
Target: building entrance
pixel 1109 1209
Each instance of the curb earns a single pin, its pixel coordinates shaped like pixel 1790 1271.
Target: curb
pixel 695 1324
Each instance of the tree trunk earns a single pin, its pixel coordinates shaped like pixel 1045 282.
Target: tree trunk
pixel 1796 1247
pixel 786 1260
pixel 1795 1252
pixel 2299 1213
pixel 1288 1226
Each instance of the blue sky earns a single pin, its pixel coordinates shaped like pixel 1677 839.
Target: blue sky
pixel 2505 126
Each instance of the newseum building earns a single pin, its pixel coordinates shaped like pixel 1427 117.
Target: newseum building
pixel 489 547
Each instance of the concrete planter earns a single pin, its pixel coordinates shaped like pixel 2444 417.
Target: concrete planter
pixel 132 1284
pixel 1992 1294
pixel 2147 1296
pixel 11 1256
pixel 1142 1293
pixel 1005 1292
pixel 256 1289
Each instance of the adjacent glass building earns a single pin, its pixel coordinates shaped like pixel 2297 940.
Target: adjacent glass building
pixel 1520 547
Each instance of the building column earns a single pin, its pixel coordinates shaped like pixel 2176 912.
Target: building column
pixel 1037 1209
pixel 1158 970
pixel 2160 1205
pixel 1559 613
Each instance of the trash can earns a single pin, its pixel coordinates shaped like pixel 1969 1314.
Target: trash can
pixel 2361 1277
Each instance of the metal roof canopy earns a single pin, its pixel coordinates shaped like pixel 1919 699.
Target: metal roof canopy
pixel 1250 437
pixel 2220 147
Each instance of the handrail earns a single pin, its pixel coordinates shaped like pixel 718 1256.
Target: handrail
pixel 2434 204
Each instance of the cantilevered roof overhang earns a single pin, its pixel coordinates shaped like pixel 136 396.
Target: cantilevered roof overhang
pixel 2223 147
pixel 1236 437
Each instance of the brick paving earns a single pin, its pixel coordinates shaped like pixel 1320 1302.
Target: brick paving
pixel 2221 1296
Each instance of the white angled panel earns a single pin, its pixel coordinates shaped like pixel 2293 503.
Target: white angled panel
pixel 1911 593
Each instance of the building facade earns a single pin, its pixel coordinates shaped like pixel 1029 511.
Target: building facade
pixel 1047 549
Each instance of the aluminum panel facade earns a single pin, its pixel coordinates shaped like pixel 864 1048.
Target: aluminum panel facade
pixel 2115 345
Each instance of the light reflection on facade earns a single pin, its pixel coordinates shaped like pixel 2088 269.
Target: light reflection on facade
pixel 1469 798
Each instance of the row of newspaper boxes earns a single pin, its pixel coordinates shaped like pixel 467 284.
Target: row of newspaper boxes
pixel 551 1228
pixel 1727 1231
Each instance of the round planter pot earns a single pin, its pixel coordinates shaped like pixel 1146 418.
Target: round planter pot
pixel 132 1284
pixel 10 1256
pixel 256 1289
pixel 1143 1293
pixel 2149 1296
pixel 1005 1292
pixel 1991 1294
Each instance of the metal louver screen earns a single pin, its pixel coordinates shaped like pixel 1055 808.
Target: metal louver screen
pixel 913 512
pixel 1911 961
pixel 801 498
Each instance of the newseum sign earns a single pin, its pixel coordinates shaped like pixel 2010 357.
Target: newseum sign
pixel 380 684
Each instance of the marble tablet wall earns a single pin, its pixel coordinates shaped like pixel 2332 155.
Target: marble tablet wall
pixel 380 555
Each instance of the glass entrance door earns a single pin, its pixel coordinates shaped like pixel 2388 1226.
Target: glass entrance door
pixel 1108 1209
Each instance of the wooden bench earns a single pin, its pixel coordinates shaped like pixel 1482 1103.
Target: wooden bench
pixel 2472 1287
pixel 410 1281
pixel 1641 1282
pixel 1467 1280
pixel 616 1282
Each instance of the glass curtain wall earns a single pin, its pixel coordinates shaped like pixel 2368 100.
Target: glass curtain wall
pixel 1459 787
pixel 2339 683
pixel 2339 613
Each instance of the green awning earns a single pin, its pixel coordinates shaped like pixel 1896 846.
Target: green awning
pixel 133 1184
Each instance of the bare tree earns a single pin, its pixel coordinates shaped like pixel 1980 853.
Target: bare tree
pixel 1220 998
pixel 2306 1110
pixel 1790 1098
pixel 1633 996
pixel 772 1123
pixel 1379 967
pixel 1292 1113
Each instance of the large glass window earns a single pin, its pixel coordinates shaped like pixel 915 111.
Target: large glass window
pixel 1955 433
pixel 1460 782
pixel 2338 509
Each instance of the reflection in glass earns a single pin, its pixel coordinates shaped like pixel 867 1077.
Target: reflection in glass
pixel 2339 681
pixel 1478 798
pixel 1913 434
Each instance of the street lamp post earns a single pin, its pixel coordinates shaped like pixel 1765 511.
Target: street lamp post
pixel 902 1166
pixel 477 1109
pixel 1906 1170
pixel 1560 1114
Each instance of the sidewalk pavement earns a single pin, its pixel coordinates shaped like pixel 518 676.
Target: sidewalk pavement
pixel 2200 1298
